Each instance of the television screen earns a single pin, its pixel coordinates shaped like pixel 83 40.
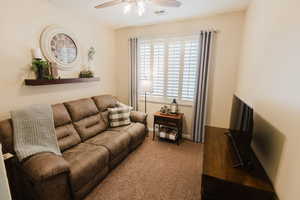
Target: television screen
pixel 240 131
pixel 241 117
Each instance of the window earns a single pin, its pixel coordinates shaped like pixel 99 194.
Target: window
pixel 171 66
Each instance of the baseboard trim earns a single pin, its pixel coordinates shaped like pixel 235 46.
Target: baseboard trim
pixel 186 136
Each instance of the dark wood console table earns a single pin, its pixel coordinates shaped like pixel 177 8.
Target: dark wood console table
pixel 220 181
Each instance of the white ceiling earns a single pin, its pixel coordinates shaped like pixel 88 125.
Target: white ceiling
pixel 114 16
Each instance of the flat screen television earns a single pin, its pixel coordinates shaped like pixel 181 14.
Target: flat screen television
pixel 240 131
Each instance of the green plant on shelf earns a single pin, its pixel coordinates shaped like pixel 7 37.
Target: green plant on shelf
pixel 41 69
pixel 86 74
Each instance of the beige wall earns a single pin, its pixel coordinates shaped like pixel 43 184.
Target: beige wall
pixel 269 80
pixel 21 23
pixel 223 72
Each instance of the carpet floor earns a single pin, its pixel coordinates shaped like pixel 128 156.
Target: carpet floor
pixel 157 170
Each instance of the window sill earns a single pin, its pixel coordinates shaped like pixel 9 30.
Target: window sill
pixel 157 100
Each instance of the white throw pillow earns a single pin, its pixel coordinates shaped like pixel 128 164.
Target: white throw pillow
pixel 119 116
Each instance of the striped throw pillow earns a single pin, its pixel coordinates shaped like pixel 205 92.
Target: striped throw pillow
pixel 119 116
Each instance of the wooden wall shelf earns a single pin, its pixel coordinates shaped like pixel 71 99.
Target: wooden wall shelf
pixel 34 82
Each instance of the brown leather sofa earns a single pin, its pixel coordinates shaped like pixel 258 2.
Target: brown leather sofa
pixel 90 149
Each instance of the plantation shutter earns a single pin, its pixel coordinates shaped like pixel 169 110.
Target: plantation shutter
pixel 158 75
pixel 144 60
pixel 189 79
pixel 171 65
pixel 173 68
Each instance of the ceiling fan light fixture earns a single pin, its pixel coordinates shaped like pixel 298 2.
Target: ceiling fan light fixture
pixel 127 8
pixel 160 12
pixel 141 12
pixel 141 7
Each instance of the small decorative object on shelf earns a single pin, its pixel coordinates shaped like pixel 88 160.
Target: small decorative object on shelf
pixel 174 107
pixel 54 71
pixel 86 74
pixel 165 109
pixel 170 110
pixel 37 54
pixel 91 54
pixel 41 68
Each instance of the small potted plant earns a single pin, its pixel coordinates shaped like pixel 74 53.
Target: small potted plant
pixel 41 68
pixel 86 74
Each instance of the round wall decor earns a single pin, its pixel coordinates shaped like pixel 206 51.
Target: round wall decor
pixel 61 47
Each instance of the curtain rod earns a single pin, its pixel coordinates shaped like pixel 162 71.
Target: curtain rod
pixel 173 34
pixel 213 30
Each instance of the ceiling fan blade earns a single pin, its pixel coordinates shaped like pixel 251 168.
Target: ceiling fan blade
pixel 109 3
pixel 167 3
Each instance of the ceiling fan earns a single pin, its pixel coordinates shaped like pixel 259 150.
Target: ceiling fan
pixel 139 4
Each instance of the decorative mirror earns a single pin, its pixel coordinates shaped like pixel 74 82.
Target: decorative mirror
pixel 61 47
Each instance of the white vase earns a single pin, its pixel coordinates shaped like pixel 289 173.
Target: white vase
pixel 90 65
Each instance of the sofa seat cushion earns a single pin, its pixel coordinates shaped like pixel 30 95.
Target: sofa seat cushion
pixel 137 132
pixel 114 141
pixel 120 128
pixel 86 161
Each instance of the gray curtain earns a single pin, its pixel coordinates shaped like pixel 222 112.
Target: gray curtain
pixel 133 96
pixel 206 40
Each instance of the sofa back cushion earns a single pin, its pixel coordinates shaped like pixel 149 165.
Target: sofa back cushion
pixel 66 134
pixel 105 101
pixel 81 108
pixel 104 116
pixel 60 115
pixel 6 136
pixel 86 118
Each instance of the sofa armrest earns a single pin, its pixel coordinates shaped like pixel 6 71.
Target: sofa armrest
pixel 42 166
pixel 137 116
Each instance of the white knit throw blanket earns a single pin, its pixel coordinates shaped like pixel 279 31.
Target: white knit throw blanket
pixel 34 131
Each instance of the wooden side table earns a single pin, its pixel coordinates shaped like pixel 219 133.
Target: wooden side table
pixel 175 121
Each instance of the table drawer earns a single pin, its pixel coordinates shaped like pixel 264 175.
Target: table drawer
pixel 162 120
